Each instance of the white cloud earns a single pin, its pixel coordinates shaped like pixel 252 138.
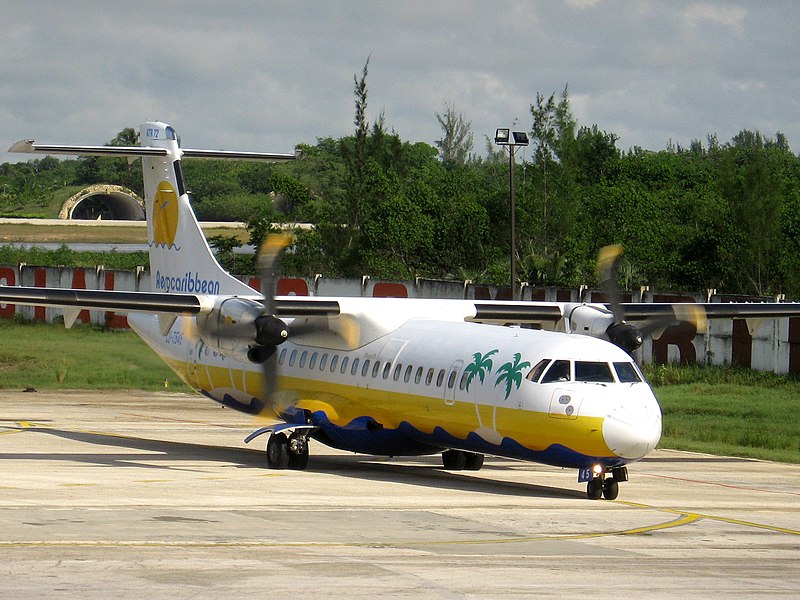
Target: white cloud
pixel 717 13
pixel 267 75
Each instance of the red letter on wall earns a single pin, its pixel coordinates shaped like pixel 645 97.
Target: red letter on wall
pixel 113 320
pixel 389 290
pixel 7 277
pixel 79 283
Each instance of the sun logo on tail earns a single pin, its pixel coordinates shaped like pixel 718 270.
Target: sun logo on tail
pixel 165 215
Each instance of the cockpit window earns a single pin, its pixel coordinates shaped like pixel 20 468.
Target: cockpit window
pixel 626 372
pixel 536 372
pixel 593 371
pixel 558 371
pixel 170 133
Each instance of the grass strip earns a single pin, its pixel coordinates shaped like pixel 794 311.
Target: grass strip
pixel 719 410
pixel 45 356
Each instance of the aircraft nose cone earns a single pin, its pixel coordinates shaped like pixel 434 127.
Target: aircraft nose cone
pixel 631 432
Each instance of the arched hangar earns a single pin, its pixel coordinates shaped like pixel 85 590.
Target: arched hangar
pixel 106 202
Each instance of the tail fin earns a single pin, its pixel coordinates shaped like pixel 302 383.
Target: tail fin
pixel 180 258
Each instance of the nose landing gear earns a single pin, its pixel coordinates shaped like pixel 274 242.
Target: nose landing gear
pixel 607 487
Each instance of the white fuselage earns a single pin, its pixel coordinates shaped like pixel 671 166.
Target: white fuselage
pixel 427 384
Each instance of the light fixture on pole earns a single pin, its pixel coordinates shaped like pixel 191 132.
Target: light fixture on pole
pixel 505 137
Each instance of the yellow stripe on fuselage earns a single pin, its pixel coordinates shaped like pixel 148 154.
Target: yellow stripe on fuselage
pixel 342 403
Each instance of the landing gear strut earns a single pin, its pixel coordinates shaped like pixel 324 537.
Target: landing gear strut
pixel 287 452
pixel 457 460
pixel 605 486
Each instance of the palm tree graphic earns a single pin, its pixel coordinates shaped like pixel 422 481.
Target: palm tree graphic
pixel 512 374
pixel 479 365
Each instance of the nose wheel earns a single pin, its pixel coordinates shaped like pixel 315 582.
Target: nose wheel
pixel 605 486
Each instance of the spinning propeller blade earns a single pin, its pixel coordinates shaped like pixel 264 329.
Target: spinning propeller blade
pixel 620 332
pixel 267 264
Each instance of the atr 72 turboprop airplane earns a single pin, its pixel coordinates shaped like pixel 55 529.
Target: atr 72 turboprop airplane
pixel 386 376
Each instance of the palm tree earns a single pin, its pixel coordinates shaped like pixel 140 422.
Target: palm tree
pixel 512 373
pixel 480 364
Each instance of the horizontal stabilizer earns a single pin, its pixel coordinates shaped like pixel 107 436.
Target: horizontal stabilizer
pixel 232 154
pixel 29 146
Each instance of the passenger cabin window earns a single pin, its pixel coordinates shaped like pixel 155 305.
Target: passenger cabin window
pixel 303 358
pixel 598 372
pixel 365 368
pixel 558 371
pixel 451 380
pixel 536 372
pixel 396 375
pixel 354 368
pixel 407 374
pixel 429 376
pixel 376 368
pixel 463 383
pixel 626 372
pixel 334 362
pixel 292 358
pixel 282 358
pixel 323 362
pixel 343 368
pixel 313 362
pixel 418 375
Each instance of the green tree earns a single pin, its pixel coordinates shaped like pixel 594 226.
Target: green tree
pixel 456 143
pixel 750 184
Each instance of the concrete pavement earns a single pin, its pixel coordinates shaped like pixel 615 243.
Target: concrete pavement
pixel 141 494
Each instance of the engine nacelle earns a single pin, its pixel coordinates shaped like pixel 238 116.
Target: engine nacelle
pixel 599 322
pixel 590 320
pixel 241 328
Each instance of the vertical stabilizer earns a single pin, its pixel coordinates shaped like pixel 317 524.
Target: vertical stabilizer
pixel 180 258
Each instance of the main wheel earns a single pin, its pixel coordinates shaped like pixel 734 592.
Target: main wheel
pixel 474 461
pixel 277 451
pixel 594 489
pixel 454 460
pixel 610 489
pixel 298 453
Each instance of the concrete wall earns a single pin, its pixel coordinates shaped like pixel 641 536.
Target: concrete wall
pixel 768 344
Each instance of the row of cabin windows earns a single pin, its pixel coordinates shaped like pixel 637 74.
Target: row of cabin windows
pixel 368 367
pixel 545 371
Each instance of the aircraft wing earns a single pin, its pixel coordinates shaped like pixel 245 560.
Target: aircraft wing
pixel 516 312
pixel 72 301
pixel 640 311
pixel 105 300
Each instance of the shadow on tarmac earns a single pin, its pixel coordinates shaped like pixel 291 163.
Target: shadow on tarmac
pixel 428 474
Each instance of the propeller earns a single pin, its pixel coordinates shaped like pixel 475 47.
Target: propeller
pixel 271 330
pixel 625 335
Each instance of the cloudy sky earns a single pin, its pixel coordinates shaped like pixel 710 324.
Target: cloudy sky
pixel 247 75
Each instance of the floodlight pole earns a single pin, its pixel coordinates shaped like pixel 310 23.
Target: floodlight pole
pixel 513 193
pixel 520 138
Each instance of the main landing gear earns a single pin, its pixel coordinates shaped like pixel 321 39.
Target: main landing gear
pixel 457 460
pixel 605 486
pixel 287 452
